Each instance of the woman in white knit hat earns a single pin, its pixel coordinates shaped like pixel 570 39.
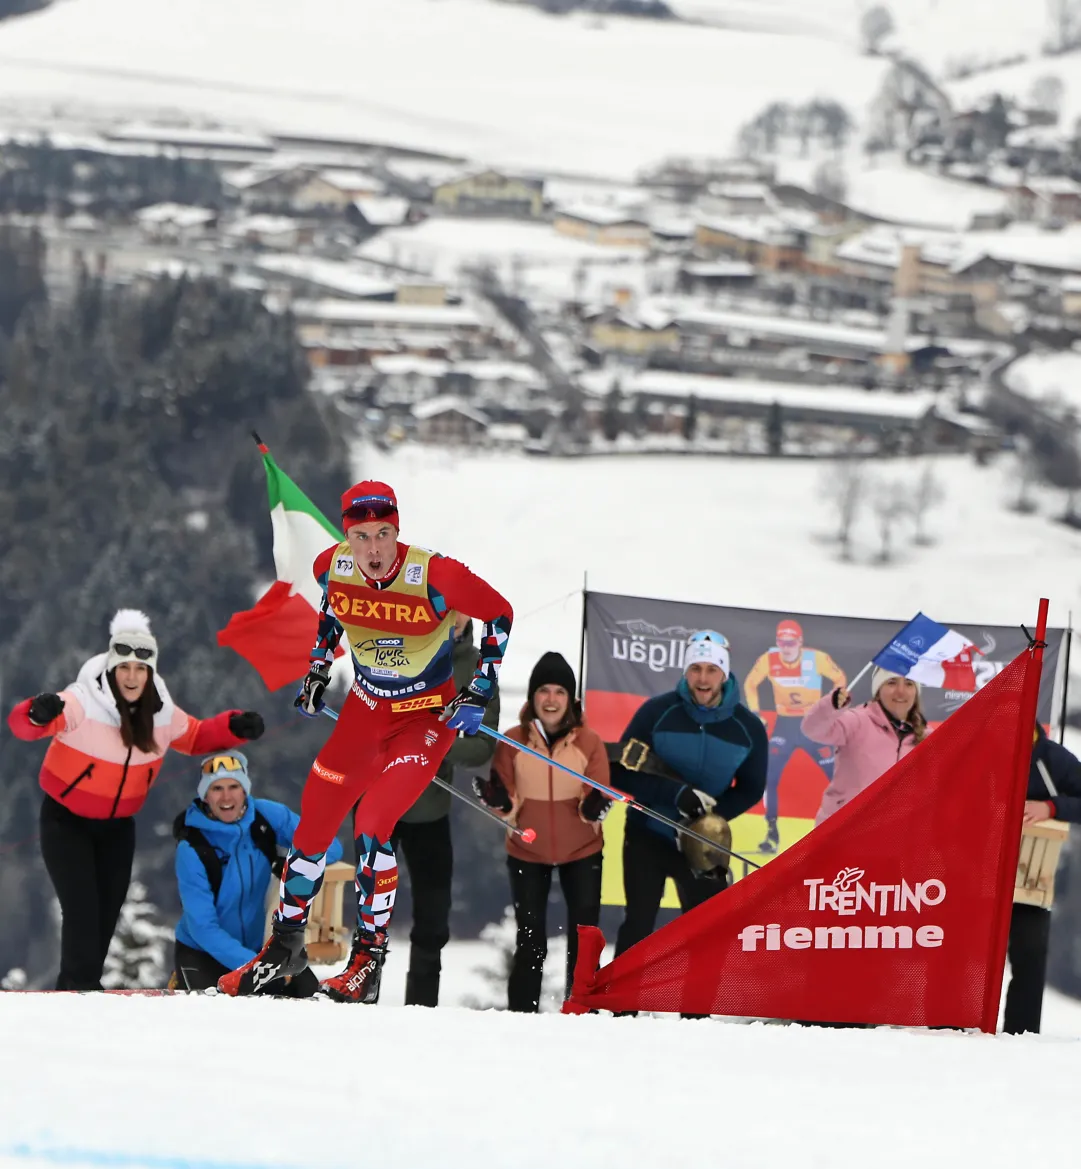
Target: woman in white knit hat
pixel 869 739
pixel 110 731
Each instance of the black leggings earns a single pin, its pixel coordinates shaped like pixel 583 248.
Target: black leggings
pixel 429 857
pixel 89 864
pixel 530 884
pixel 1030 932
pixel 648 860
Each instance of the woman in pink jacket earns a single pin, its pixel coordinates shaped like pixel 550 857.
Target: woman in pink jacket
pixel 868 739
pixel 110 730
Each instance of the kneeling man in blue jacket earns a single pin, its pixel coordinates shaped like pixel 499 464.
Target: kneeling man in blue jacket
pixel 228 850
pixel 694 750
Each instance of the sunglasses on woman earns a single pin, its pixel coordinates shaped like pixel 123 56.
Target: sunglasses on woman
pixel 127 651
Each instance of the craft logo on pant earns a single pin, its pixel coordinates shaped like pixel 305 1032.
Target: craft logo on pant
pixel 327 774
pixel 421 759
pixel 845 896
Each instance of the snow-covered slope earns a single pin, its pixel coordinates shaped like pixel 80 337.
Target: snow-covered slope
pixel 209 1083
pixel 743 532
pixel 498 82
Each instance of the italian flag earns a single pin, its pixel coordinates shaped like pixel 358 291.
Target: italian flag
pixel 277 636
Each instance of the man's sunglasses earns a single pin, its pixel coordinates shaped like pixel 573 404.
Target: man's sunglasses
pixel 221 763
pixel 370 507
pixel 127 651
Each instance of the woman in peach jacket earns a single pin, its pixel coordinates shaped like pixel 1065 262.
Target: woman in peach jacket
pixel 565 814
pixel 110 731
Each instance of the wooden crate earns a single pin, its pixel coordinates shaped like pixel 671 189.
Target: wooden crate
pixel 330 930
pixel 1041 844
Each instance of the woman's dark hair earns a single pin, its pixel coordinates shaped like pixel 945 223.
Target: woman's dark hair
pixel 571 720
pixel 137 718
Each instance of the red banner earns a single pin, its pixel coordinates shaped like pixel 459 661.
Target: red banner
pixel 893 911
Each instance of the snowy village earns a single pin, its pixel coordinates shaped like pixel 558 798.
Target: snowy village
pixel 540 527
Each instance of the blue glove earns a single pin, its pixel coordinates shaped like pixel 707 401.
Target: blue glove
pixel 465 711
pixel 309 699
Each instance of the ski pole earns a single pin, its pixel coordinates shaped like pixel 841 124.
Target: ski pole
pixel 614 793
pixel 528 835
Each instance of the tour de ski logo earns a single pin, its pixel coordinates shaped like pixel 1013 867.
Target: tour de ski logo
pixel 897 911
pixel 650 645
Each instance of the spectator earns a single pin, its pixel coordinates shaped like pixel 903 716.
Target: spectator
pixel 1030 925
pixel 226 855
pixel 111 729
pixel 694 750
pixel 565 814
pixel 869 739
pixel 422 836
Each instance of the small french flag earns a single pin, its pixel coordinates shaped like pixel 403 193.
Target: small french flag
pixel 932 655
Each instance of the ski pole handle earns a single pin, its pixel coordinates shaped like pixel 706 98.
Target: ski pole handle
pixel 527 835
pixel 622 797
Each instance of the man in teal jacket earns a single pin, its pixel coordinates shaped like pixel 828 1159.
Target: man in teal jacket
pixel 224 865
pixel 714 755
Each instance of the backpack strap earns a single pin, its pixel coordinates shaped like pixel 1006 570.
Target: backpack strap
pixel 204 850
pixel 264 839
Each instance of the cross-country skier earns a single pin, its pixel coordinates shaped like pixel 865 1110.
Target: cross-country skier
pixel 395 604
pixel 797 676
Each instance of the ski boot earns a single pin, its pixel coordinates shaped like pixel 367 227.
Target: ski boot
pixel 773 838
pixel 283 954
pixel 359 981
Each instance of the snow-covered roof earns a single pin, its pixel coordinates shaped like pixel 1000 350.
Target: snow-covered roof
pixel 600 215
pixel 383 211
pixel 718 268
pixel 351 180
pixel 498 371
pixel 262 225
pixel 361 312
pixel 448 404
pixel 740 191
pixel 826 399
pixel 335 275
pixel 406 364
pixel 178 214
pixel 765 229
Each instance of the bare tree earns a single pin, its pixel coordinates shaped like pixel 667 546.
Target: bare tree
pixel 763 133
pixel 928 493
pixel 890 504
pixel 1064 26
pixel 1026 473
pixel 829 181
pixel 1047 93
pixel 845 487
pixel 875 25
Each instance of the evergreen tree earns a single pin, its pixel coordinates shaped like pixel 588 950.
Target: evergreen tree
pixel 140 956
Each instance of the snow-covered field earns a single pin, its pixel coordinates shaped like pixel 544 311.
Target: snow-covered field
pixel 496 82
pixel 209 1083
pixel 1051 378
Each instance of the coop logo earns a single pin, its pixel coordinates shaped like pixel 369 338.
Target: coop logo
pixel 647 644
pixel 846 895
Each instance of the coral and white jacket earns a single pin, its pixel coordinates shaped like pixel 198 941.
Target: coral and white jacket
pixel 88 769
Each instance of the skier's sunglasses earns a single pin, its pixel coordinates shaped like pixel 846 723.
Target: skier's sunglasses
pixel 127 651
pixel 221 763
pixel 370 507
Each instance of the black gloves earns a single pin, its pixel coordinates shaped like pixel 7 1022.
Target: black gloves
pixel 493 792
pixel 693 803
pixel 595 806
pixel 309 701
pixel 44 708
pixel 247 725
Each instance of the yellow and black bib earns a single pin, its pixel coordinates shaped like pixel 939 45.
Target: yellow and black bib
pixel 400 644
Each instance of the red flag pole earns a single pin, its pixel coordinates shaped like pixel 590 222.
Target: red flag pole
pixel 1022 761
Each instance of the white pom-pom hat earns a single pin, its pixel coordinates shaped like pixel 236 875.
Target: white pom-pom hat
pixel 130 640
